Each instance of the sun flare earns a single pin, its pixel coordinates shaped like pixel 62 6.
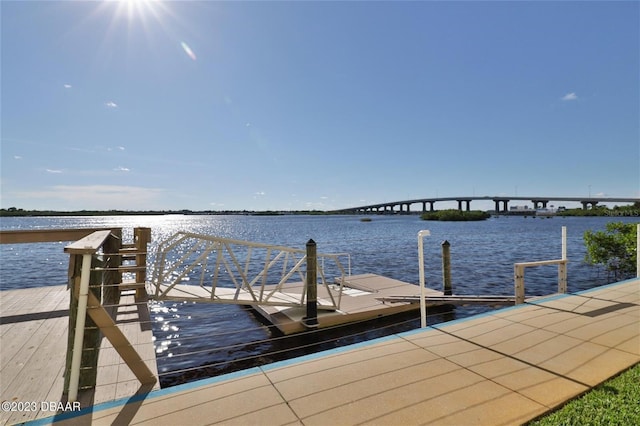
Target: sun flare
pixel 136 8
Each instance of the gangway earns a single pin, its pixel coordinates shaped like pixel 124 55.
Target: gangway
pixel 205 268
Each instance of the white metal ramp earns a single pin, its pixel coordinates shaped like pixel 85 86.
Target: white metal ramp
pixel 204 268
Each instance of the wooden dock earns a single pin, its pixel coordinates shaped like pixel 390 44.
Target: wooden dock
pixel 361 300
pixel 364 297
pixel 33 344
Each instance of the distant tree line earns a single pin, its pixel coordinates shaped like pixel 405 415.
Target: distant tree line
pixel 17 212
pixel 616 211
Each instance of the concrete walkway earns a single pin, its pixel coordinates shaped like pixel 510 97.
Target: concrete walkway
pixel 507 366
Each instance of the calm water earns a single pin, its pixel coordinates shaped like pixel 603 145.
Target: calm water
pixel 197 340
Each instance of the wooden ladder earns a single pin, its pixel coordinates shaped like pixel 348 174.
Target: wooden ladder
pixel 133 259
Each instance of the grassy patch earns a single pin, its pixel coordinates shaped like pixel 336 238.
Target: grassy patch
pixel 455 215
pixel 615 402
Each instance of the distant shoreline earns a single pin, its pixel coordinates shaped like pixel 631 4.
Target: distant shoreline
pixel 47 213
pixel 625 211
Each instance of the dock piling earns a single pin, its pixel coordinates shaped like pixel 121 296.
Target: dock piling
pixel 311 320
pixel 142 238
pixel 446 268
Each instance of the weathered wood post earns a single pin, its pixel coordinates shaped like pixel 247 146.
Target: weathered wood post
pixel 562 266
pixel 311 320
pixel 518 276
pixel 112 277
pixel 446 268
pixel 142 237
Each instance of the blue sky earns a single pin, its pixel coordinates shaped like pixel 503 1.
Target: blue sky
pixel 315 105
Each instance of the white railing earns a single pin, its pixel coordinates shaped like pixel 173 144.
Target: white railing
pixel 206 268
pixel 519 268
pixel 423 302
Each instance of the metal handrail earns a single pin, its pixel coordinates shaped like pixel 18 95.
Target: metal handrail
pixel 239 272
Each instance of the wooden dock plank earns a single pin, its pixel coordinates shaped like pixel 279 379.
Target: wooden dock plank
pixel 116 379
pixel 33 343
pixel 41 370
pixel 24 331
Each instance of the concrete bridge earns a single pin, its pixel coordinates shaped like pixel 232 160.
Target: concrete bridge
pixel 464 203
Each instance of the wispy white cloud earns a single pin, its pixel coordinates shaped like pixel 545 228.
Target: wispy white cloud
pixel 260 193
pixel 53 171
pixel 121 148
pixel 101 197
pixel 570 97
pixel 17 157
pixel 67 86
pixel 122 169
pixel 111 104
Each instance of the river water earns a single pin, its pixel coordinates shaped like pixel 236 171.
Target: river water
pixel 198 340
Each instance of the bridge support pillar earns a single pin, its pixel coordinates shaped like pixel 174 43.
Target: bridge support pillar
pixel 540 204
pixel 424 206
pixel 467 204
pixel 504 203
pixel 588 204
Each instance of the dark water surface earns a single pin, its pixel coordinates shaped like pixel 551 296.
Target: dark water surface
pixel 197 340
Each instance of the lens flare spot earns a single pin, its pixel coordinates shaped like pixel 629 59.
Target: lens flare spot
pixel 188 50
